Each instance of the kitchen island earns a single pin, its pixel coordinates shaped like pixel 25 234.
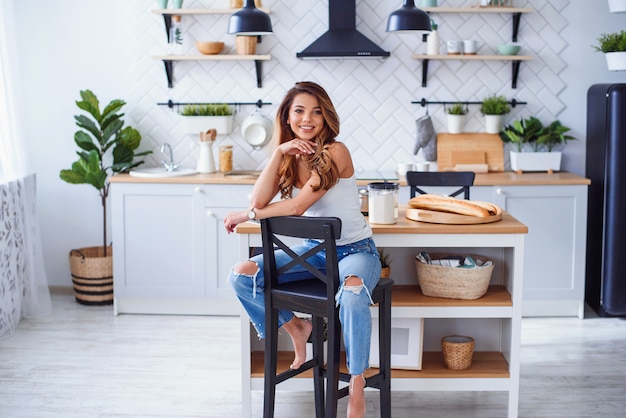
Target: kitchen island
pixel 172 255
pixel 493 320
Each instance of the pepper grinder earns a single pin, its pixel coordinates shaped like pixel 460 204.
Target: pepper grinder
pixel 206 163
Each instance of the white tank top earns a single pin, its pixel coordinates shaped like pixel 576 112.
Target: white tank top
pixel 342 201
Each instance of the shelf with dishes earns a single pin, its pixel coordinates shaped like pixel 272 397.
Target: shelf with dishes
pixel 515 61
pixel 168 60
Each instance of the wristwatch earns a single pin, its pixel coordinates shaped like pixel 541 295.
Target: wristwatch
pixel 251 214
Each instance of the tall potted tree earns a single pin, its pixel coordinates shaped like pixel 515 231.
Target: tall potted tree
pixel 105 147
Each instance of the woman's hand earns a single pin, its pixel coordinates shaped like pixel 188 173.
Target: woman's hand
pixel 297 146
pixel 233 219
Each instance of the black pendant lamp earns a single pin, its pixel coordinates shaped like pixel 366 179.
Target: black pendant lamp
pixel 408 18
pixel 250 21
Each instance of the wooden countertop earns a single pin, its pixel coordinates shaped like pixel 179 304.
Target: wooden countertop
pixel 508 225
pixel 507 178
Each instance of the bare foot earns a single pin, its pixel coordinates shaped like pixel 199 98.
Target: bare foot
pixel 356 404
pixel 299 330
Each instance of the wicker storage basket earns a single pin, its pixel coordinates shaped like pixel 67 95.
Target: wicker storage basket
pixel 92 275
pixel 453 282
pixel 457 352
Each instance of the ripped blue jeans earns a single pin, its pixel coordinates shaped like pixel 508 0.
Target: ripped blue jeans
pixel 358 259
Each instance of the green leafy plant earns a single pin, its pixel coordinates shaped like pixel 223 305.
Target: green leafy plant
pixel 101 133
pixel 433 25
pixel 457 109
pixel 532 132
pixel 495 105
pixel 218 109
pixel 611 42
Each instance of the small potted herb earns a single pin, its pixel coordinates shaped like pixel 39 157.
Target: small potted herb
pixel 202 117
pixel 613 46
pixel 456 118
pixel 494 108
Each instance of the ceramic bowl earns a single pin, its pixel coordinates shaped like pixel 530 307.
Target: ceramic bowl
pixel 509 49
pixel 209 48
pixel 257 129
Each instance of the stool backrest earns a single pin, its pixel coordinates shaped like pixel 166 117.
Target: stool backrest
pixel 325 229
pixel 461 179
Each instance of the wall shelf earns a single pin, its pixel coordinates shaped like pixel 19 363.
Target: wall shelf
pixel 515 60
pixel 168 60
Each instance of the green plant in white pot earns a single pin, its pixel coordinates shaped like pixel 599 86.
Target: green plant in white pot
pixel 105 147
pixel 456 118
pixel 613 46
pixel 494 108
pixel 202 117
pixel 535 144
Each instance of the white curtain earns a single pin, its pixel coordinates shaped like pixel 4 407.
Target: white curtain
pixel 23 282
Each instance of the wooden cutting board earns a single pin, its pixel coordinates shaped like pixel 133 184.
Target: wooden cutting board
pixel 470 148
pixel 435 217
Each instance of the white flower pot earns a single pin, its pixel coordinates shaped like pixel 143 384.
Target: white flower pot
pixel 617 6
pixel 456 123
pixel 433 43
pixel 616 61
pixel 197 124
pixel 535 161
pixel 493 123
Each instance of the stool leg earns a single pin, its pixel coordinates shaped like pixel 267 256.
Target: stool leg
pixel 332 367
pixel 318 370
pixel 384 342
pixel 270 360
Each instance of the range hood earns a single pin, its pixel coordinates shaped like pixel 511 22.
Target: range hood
pixel 342 40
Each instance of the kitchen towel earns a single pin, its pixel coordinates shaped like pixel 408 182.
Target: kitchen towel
pixel 426 138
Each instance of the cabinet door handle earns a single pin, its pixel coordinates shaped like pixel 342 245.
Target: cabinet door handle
pixel 500 191
pixel 199 190
pixel 210 214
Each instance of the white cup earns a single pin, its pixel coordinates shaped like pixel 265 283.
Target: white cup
pixel 454 47
pixel 470 47
pixel 403 168
pixel 425 166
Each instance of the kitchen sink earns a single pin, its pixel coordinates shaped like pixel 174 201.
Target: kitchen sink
pixel 244 174
pixel 160 172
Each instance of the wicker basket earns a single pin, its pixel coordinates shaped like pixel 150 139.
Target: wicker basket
pixel 457 352
pixel 92 275
pixel 453 282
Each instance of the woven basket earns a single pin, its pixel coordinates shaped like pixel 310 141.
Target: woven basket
pixel 92 275
pixel 453 282
pixel 457 352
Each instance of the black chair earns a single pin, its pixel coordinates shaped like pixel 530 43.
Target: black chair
pixel 462 179
pixel 315 295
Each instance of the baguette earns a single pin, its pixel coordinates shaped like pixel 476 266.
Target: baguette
pixel 453 205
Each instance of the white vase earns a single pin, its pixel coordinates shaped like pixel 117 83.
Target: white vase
pixel 456 123
pixel 433 43
pixel 616 61
pixel 535 161
pixel 617 6
pixel 493 123
pixel 197 124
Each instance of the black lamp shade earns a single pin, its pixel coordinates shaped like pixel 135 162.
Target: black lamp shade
pixel 250 21
pixel 408 18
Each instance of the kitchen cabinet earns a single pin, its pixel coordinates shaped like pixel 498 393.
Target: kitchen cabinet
pixel 172 254
pixel 514 59
pixel 168 60
pixel 493 320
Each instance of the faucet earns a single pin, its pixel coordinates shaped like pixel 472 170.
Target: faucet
pixel 169 166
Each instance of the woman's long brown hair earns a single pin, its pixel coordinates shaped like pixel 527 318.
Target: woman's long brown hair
pixel 321 160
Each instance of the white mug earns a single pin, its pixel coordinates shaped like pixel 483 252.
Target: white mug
pixel 454 47
pixel 425 166
pixel 403 168
pixel 470 47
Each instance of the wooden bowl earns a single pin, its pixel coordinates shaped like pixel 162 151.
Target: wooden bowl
pixel 209 48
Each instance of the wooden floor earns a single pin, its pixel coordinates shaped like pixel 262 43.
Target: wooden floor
pixel 84 362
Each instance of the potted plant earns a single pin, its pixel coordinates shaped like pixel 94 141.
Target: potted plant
pixel 456 118
pixel 202 117
pixel 535 144
pixel 385 262
pixel 92 267
pixel 613 45
pixel 494 108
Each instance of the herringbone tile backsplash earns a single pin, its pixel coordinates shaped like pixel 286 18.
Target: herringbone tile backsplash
pixel 373 97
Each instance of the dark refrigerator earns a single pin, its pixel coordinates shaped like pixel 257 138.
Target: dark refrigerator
pixel 605 285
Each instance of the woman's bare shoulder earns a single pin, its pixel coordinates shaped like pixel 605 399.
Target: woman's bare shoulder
pixel 342 158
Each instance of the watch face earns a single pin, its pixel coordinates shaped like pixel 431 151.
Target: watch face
pixel 251 215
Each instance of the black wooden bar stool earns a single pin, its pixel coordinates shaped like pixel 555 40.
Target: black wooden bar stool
pixel 316 296
pixel 462 179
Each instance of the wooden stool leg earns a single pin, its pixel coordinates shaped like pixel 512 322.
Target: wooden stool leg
pixel 384 341
pixel 270 360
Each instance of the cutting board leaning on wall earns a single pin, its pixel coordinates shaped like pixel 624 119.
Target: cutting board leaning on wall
pixel 478 152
